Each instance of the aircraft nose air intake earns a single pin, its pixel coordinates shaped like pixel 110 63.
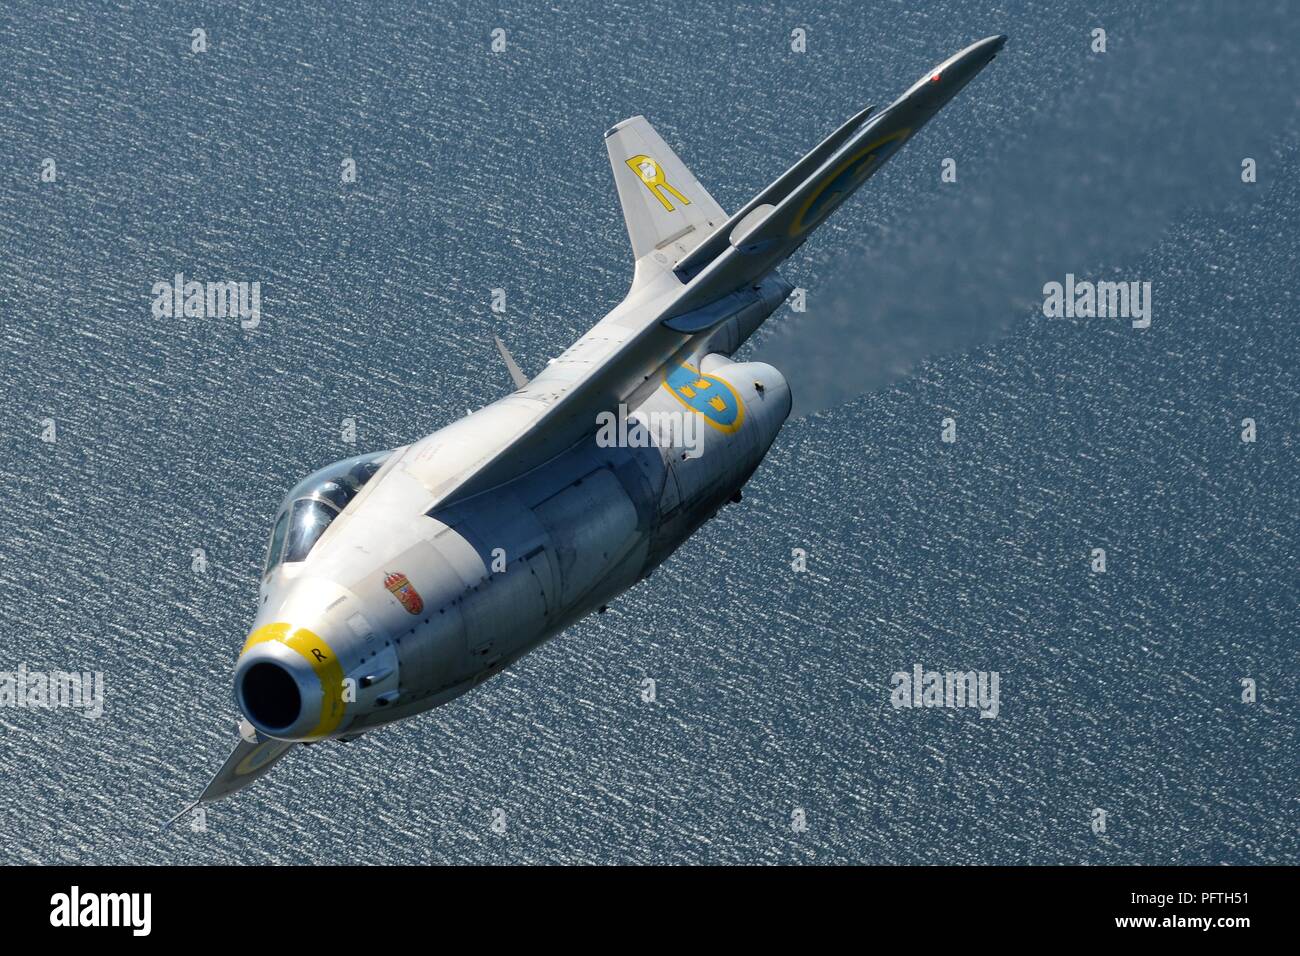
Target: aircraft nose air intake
pixel 270 695
pixel 289 684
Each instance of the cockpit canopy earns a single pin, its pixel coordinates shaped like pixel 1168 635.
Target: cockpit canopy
pixel 314 502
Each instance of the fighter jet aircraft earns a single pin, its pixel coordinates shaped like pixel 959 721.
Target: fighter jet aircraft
pixel 399 580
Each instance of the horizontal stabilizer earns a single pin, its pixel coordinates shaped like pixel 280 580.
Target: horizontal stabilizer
pixel 516 374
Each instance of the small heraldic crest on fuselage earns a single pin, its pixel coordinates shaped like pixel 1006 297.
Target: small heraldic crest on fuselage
pixel 404 591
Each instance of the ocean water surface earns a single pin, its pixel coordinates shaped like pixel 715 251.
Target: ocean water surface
pixel 1119 692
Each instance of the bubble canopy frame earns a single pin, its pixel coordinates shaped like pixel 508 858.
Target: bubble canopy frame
pixel 312 504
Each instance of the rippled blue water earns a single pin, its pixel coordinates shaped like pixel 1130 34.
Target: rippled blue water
pixel 478 171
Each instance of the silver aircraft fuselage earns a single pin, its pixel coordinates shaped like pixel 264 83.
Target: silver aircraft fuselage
pixel 416 605
pixel 400 580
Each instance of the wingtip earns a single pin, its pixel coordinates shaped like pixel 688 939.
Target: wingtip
pixel 184 810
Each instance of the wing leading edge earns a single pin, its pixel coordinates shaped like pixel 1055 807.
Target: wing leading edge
pixel 674 224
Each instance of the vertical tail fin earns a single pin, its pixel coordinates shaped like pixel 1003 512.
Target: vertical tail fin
pixel 668 212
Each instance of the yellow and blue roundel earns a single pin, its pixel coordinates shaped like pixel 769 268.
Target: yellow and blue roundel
pixel 260 756
pixel 839 183
pixel 708 395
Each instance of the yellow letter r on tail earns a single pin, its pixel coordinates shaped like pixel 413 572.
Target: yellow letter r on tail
pixel 652 175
